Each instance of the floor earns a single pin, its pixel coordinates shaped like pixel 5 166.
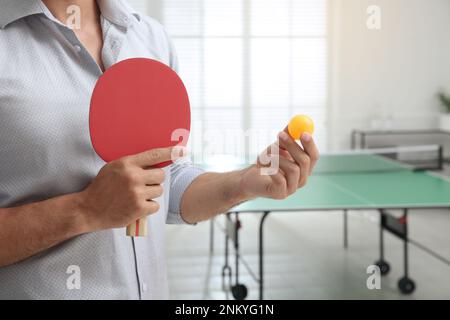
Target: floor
pixel 305 258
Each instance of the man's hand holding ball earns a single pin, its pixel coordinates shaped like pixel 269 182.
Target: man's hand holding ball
pixel 295 163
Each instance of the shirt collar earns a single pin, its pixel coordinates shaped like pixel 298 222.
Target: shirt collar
pixel 12 10
pixel 116 11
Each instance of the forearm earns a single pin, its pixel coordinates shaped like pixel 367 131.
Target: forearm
pixel 30 229
pixel 211 194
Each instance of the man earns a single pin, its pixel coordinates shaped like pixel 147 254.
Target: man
pixel 62 210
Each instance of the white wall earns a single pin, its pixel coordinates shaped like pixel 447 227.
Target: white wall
pixel 395 71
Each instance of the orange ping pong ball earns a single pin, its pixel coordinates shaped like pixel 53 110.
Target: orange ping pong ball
pixel 299 125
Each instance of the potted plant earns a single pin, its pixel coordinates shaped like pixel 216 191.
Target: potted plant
pixel 444 120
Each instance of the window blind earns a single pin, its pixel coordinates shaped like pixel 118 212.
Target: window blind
pixel 249 64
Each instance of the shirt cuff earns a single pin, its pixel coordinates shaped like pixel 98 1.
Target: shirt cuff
pixel 180 181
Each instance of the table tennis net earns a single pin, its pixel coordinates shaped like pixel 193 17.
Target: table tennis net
pixel 414 158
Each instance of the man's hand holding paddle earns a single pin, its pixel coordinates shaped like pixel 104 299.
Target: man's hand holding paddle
pixel 138 105
pixel 125 190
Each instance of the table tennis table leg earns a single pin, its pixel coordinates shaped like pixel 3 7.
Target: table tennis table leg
pixel 211 237
pixel 399 228
pixel 226 269
pixel 381 237
pixel 405 243
pixel 381 263
pixel 238 290
pixel 345 229
pixel 406 284
pixel 261 255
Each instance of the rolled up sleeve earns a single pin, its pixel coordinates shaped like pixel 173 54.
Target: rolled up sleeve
pixel 182 172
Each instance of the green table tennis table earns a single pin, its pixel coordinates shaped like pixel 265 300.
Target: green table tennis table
pixel 350 182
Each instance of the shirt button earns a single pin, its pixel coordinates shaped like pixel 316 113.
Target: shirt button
pixel 144 287
pixel 77 48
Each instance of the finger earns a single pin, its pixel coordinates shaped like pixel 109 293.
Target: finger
pixel 275 164
pixel 294 149
pixel 153 192
pixel 300 156
pixel 153 176
pixel 152 157
pixel 292 174
pixel 286 154
pixel 311 149
pixel 264 159
pixel 147 207
pixel 151 207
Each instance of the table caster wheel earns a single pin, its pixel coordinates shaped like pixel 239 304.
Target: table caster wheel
pixel 384 267
pixel 406 285
pixel 239 291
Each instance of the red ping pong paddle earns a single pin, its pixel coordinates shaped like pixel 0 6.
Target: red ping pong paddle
pixel 137 105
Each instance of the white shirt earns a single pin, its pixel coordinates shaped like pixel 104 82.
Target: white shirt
pixel 46 81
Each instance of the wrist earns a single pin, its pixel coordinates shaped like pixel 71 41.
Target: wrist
pixel 242 192
pixel 82 218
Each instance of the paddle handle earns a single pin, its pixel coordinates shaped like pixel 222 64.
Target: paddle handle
pixel 138 228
